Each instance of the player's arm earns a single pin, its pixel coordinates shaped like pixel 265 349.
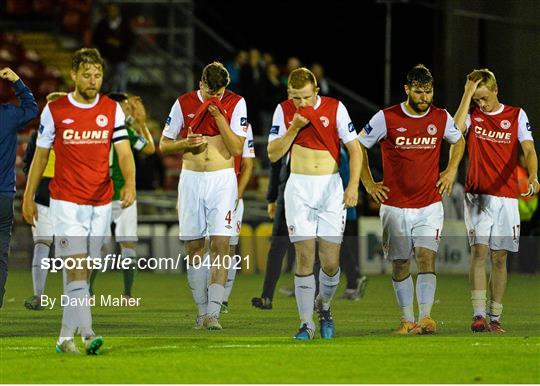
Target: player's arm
pixel 280 146
pixel 460 117
pixel 350 196
pixel 39 162
pixel 234 143
pixel 246 170
pixel 448 176
pixel 375 189
pixel 139 113
pixel 127 167
pixel 531 160
pixel 168 142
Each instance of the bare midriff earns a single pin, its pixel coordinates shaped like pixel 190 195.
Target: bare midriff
pixel 214 157
pixel 312 162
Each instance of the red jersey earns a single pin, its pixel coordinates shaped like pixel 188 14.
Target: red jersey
pixel 329 123
pixel 190 106
pixel 81 135
pixel 492 146
pixel 411 148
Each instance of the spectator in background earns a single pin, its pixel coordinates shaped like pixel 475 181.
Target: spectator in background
pixel 318 71
pixel 113 37
pixel 268 59
pixel 12 119
pixel 292 64
pixel 234 66
pixel 271 93
pixel 530 221
pixel 251 78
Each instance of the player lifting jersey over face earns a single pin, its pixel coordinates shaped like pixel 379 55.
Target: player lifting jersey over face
pixel 308 128
pixel 208 127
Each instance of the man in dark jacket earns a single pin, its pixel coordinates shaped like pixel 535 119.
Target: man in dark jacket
pixel 12 119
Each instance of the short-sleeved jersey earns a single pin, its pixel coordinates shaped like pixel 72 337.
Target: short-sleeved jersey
pixel 247 152
pixel 492 146
pixel 333 116
pixel 411 148
pixel 137 142
pixel 184 109
pixel 81 135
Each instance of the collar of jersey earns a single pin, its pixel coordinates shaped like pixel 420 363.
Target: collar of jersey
pixel 402 105
pixel 499 110
pixel 82 105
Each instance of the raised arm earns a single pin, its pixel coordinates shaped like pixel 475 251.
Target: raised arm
pixel 280 146
pixel 460 116
pixel 28 108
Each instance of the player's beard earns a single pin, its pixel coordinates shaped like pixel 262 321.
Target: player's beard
pixel 416 106
pixel 88 94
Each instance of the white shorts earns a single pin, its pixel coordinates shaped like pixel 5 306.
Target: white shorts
pixel 43 229
pixel 237 215
pixel 73 224
pixel 125 220
pixel 314 207
pixel 492 221
pixel 206 203
pixel 407 228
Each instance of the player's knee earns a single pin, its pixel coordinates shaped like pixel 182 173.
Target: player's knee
pixel 478 256
pixel 400 269
pixel 498 261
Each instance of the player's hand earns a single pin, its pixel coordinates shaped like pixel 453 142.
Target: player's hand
pixel 350 197
pixel 378 191
pixel 29 211
pixel 534 187
pixel 196 142
pixel 446 181
pixel 127 195
pixel 137 109
pixel 214 111
pixel 471 86
pixel 299 121
pixel 8 74
pixel 271 209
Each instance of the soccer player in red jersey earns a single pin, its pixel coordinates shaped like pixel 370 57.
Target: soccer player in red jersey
pixel 208 127
pixel 493 131
pixel 308 128
pixel 81 127
pixel 410 135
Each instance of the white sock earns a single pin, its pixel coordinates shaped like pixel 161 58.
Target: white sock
pixel 405 297
pixel 478 299
pixel 426 283
pixel 495 311
pixel 197 279
pixel 327 287
pixel 231 275
pixel 215 297
pixel 39 275
pixel 129 253
pixel 79 290
pixel 70 319
pixel 304 289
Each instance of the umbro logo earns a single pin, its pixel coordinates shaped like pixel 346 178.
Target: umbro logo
pixel 191 115
pixel 68 121
pixel 401 129
pixel 478 119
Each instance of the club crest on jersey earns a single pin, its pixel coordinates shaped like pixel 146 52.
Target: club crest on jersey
pixel 325 121
pixel 505 124
pixel 432 129
pixel 102 120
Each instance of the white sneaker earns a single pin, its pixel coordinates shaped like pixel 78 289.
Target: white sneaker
pixel 67 346
pixel 212 323
pixel 199 322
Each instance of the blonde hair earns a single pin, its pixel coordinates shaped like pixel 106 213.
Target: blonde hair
pixel 300 77
pixel 486 77
pixel 55 95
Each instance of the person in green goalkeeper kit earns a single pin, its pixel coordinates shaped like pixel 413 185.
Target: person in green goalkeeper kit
pixel 125 219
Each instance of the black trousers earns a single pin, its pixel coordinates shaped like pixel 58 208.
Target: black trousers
pixel 279 245
pixel 6 223
pixel 349 254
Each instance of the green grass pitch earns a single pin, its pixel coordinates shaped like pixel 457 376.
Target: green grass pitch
pixel 155 343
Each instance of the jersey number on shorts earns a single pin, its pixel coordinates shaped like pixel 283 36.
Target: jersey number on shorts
pixel 228 217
